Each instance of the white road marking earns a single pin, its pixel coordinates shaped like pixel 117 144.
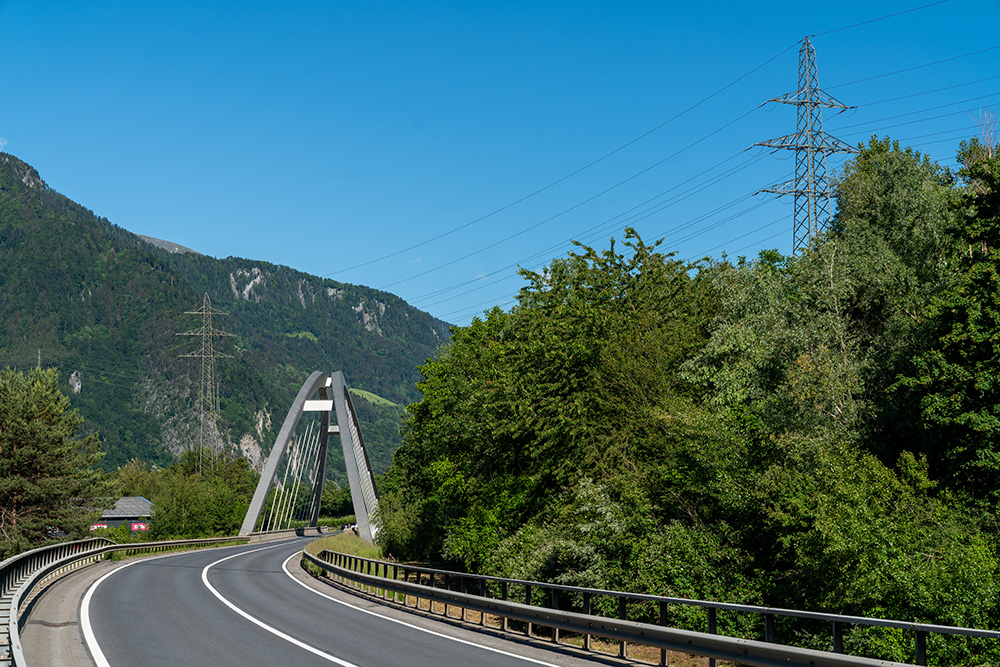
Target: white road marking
pixel 284 566
pixel 88 630
pixel 101 661
pixel 274 631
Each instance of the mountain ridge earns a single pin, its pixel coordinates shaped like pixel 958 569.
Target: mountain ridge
pixel 83 294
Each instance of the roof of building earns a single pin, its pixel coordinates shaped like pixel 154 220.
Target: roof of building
pixel 129 506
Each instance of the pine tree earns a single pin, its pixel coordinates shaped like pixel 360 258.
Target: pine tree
pixel 49 485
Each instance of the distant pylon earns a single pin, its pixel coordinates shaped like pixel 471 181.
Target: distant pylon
pixel 811 145
pixel 208 395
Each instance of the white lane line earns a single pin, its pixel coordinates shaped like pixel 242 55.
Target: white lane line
pixel 88 630
pixel 274 631
pixel 284 566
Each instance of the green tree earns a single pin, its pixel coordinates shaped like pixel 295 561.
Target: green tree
pixel 811 344
pixel 573 383
pixel 336 502
pixel 188 503
pixel 957 380
pixel 49 484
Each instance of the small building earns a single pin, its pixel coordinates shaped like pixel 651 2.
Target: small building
pixel 133 511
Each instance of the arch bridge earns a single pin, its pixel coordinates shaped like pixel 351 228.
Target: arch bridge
pixel 291 485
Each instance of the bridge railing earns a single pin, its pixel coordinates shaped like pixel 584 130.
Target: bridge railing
pixel 568 609
pixel 24 575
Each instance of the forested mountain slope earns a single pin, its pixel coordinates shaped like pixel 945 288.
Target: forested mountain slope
pixel 104 306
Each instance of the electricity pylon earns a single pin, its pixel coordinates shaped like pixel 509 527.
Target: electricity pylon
pixel 208 395
pixel 811 145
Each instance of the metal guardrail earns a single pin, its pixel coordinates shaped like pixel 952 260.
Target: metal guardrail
pixel 24 574
pixel 472 592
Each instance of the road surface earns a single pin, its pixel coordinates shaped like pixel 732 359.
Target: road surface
pixel 250 605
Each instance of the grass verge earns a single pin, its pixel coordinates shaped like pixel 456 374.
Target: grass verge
pixel 345 543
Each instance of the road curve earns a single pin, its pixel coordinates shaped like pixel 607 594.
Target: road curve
pixel 239 606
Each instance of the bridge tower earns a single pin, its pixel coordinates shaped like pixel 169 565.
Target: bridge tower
pixel 291 486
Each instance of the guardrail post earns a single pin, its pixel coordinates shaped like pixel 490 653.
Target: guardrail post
pixel 712 627
pixel 623 615
pixel 465 589
pixel 447 587
pixel 920 647
pixel 664 655
pixel 385 575
pixel 586 612
pixel 555 605
pixel 769 628
pixel 838 637
pixel 503 596
pixel 527 601
pixel 484 592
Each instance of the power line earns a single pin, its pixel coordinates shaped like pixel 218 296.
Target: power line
pixel 913 122
pixel 920 111
pixel 602 227
pixel 741 236
pixel 643 215
pixel 492 245
pixel 571 208
pixel 880 18
pixel 916 67
pixel 441 291
pixel 929 92
pixel 568 176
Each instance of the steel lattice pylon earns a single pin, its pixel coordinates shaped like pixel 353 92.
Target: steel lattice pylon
pixel 208 395
pixel 811 145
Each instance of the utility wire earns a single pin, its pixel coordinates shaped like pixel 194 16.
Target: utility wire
pixel 912 122
pixel 919 111
pixel 571 174
pixel 445 290
pixel 602 227
pixel 617 150
pixel 783 219
pixel 880 18
pixel 511 237
pixel 911 69
pixel 412 247
pixel 929 92
pixel 589 234
pixel 575 206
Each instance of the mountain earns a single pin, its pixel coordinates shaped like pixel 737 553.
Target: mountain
pixel 105 306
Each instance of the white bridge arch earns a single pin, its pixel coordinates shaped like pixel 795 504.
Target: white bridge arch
pixel 291 486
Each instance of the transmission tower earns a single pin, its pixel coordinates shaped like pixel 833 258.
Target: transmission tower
pixel 208 395
pixel 811 145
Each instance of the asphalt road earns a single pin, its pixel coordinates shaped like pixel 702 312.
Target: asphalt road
pixel 252 605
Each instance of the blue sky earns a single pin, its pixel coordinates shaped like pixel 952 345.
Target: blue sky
pixel 429 149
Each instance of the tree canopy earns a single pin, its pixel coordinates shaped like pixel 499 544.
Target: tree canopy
pixel 49 484
pixel 812 431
